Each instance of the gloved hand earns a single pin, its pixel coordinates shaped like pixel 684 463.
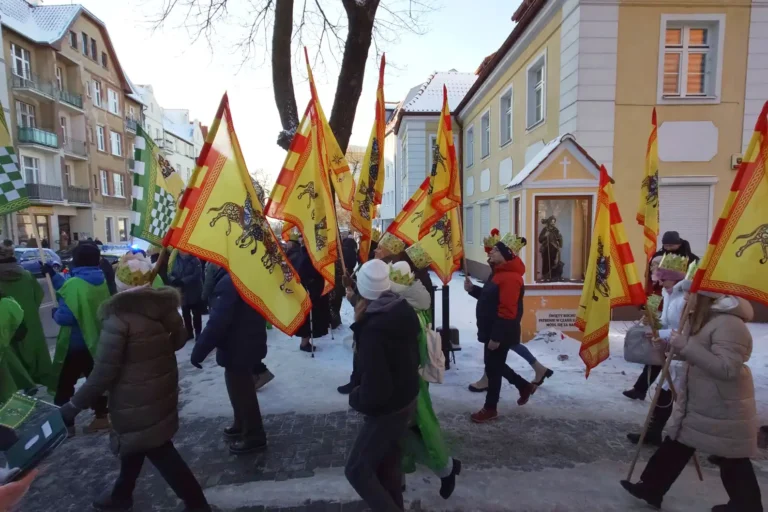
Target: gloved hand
pixel 197 357
pixel 47 269
pixel 68 413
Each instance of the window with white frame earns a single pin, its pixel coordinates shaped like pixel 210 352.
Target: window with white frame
pixel 504 216
pixel 404 158
pixel 104 175
pixel 690 59
pixel 122 228
pixel 97 93
pixel 114 101
pixel 64 129
pixel 469 224
pixel 485 135
pixel 31 169
pixel 505 115
pixel 22 64
pixel 25 115
pixel 116 143
pixel 118 185
pixel 100 135
pixel 537 91
pixel 485 219
pixel 84 37
pixel 109 226
pixel 131 112
pixel 68 175
pixel 59 78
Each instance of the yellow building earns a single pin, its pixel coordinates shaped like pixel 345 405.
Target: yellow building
pixel 576 82
pixel 73 115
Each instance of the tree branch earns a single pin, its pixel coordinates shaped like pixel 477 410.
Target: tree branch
pixel 282 76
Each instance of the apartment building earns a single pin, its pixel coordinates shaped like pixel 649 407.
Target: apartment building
pixel 73 115
pixel 179 139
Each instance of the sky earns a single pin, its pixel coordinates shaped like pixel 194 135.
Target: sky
pixel 194 75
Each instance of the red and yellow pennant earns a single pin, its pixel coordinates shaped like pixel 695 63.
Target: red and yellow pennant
pixel 648 211
pixel 371 181
pixel 736 261
pixel 444 245
pixel 220 219
pixel 611 279
pixel 408 222
pixel 444 186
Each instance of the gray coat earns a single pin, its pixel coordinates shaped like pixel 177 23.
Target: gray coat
pixel 715 411
pixel 136 364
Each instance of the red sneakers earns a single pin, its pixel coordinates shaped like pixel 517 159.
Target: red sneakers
pixel 484 415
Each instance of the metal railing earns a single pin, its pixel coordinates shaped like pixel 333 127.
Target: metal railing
pixel 76 100
pixel 78 195
pixel 34 83
pixel 75 147
pixel 130 125
pixel 38 136
pixel 44 192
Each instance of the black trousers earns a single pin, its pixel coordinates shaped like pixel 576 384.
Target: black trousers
pixel 171 467
pixel 77 363
pixel 193 319
pixel 245 404
pixel 496 368
pixel 646 378
pixel 737 475
pixel 374 465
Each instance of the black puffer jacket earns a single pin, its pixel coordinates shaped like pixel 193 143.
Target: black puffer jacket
pixel 387 344
pixel 236 330
pixel 136 364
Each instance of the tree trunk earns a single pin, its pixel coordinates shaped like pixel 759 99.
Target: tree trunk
pixel 282 79
pixel 350 84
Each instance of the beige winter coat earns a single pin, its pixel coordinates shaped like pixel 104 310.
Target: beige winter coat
pixel 715 411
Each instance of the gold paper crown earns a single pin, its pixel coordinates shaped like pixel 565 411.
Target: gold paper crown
pixel 491 240
pixel 514 242
pixel 674 262
pixel 376 235
pixel 399 277
pixel 692 268
pixel 418 256
pixel 391 243
pixel 134 270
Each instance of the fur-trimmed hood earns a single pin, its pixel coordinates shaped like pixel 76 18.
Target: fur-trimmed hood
pixel 154 303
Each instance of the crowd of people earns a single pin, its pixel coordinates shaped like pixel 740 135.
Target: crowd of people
pixel 121 330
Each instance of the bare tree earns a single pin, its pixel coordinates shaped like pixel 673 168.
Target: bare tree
pixel 331 28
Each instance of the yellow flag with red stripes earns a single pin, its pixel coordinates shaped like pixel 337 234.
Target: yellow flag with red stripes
pixel 736 261
pixel 371 181
pixel 648 211
pixel 333 159
pixel 408 222
pixel 611 278
pixel 221 220
pixel 443 244
pixel 444 186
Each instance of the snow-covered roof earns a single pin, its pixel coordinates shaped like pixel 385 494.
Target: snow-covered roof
pixel 43 24
pixel 429 96
pixel 183 132
pixel 134 95
pixel 537 160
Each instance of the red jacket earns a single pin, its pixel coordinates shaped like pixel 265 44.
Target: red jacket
pixel 498 303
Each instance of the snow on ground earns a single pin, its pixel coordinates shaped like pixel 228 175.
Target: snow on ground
pixel 304 384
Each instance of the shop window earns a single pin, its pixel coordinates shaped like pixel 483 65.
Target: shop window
pixel 563 233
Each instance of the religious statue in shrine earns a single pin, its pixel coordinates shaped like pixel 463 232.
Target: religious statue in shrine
pixel 550 244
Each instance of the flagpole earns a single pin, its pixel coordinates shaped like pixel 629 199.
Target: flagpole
pixel 42 258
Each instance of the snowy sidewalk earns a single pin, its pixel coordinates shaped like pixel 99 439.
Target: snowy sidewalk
pixel 564 451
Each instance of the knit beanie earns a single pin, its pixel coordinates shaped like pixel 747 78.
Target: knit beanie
pixel 373 279
pixel 86 255
pixel 505 251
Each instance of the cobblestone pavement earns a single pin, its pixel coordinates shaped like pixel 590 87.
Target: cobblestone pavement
pixel 301 444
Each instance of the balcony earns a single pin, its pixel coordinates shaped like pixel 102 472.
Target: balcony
pixel 75 148
pixel 38 137
pixel 130 125
pixel 71 99
pixel 34 85
pixel 78 195
pixel 42 192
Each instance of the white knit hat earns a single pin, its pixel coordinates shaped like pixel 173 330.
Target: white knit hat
pixel 373 279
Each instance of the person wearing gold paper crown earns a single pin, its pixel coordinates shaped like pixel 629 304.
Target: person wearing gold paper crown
pixel 715 411
pixel 136 364
pixel 498 323
pixel 424 441
pixel 671 274
pixel 542 372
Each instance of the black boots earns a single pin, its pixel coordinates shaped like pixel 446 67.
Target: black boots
pixel 246 446
pixel 634 394
pixel 641 492
pixel 448 484
pixel 661 414
pixel 346 388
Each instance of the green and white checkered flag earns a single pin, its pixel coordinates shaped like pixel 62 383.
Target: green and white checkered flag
pixel 13 191
pixel 156 190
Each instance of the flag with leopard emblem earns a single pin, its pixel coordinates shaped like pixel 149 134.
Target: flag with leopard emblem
pixel 157 188
pixel 13 191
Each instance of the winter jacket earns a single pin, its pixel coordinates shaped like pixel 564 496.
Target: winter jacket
pixel 209 280
pixel 715 411
pixel 109 275
pixel 500 304
pixel 415 295
pixel 236 330
pixel 349 253
pixel 136 364
pixel 187 276
pixel 318 323
pixel 672 310
pixel 386 338
pixel 62 315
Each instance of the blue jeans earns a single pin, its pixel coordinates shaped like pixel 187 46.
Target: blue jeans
pixel 523 352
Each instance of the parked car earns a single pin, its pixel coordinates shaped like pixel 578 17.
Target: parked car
pixel 29 259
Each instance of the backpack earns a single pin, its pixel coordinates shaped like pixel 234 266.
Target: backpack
pixel 433 369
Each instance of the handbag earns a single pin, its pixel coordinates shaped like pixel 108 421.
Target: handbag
pixel 639 349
